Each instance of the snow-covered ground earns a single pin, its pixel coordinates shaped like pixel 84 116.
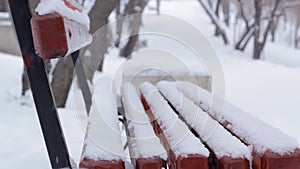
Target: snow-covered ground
pixel 267 89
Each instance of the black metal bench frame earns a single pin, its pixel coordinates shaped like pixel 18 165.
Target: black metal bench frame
pixel 46 109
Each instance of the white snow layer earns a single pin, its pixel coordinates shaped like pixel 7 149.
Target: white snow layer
pixel 216 136
pixel 88 5
pixel 52 6
pixel 4 15
pixel 159 63
pixel 144 141
pixel 180 138
pixel 103 140
pixel 252 130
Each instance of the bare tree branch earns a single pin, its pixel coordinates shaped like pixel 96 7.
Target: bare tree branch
pixel 138 8
pixel 215 21
pixel 271 22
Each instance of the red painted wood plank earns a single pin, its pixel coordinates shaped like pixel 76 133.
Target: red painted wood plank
pixel 87 163
pixel 190 161
pixel 56 36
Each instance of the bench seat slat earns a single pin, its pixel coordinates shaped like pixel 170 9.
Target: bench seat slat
pixel 185 149
pixel 102 146
pixel 146 150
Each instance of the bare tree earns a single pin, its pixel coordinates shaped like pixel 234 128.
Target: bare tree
pixel 293 7
pixel 25 82
pixel 249 29
pixel 258 24
pixel 3 6
pixel 257 29
pixel 134 7
pixel 215 20
pixel 62 80
pixel 259 45
pixel 99 18
pixel 210 3
pixel 297 37
pixel 226 11
pixel 158 6
pixel 217 33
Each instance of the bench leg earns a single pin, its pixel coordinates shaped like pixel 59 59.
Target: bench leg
pixel 87 96
pixel 41 91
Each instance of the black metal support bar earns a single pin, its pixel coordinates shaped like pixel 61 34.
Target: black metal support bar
pixel 42 94
pixel 87 96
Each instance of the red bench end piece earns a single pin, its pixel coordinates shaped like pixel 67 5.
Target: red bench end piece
pixel 49 35
pixel 101 164
pixel 150 163
pixel 191 162
pixel 270 160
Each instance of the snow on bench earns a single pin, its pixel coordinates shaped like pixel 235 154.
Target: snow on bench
pixel 102 145
pixel 184 149
pixel 229 151
pixel 145 148
pixel 271 147
pixel 59 28
pixel 4 19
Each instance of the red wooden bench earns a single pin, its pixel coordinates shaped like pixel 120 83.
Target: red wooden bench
pixel 102 146
pixel 272 149
pixel 146 151
pixel 59 32
pixel 185 151
pixel 228 151
pixel 56 34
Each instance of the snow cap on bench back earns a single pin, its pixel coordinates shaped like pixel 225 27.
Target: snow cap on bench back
pixel 252 130
pixel 144 141
pixel 59 6
pixel 216 136
pixel 103 140
pixel 181 140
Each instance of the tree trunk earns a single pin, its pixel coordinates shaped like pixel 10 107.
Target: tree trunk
pixel 218 8
pixel 270 23
pixel 226 9
pixel 119 24
pixel 3 7
pixel 242 12
pixel 25 82
pixel 243 42
pixel 33 4
pixel 273 29
pixel 99 18
pixel 257 45
pixel 158 6
pixel 216 22
pixel 210 3
pixel 62 80
pixel 97 50
pixel 217 32
pixel 296 35
pixel 135 27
